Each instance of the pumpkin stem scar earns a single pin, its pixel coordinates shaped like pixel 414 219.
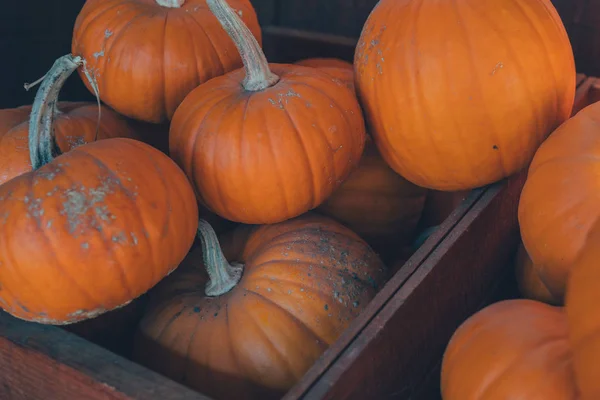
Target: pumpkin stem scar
pixel 41 133
pixel 258 73
pixel 223 276
pixel 170 3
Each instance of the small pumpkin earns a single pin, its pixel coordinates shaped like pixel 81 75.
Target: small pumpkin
pixel 582 300
pixel 146 56
pixel 530 284
pixel 458 95
pixel 560 200
pixel 514 349
pixel 377 203
pixel 253 325
pixel 269 143
pixel 343 70
pixel 92 229
pixel 65 124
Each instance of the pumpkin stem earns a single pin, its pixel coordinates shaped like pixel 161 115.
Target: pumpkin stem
pixel 44 109
pixel 223 276
pixel 170 3
pixel 258 73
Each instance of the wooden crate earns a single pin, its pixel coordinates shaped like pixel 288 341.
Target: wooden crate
pixel 388 351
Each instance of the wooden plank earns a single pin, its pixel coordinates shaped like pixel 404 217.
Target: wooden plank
pixel 44 362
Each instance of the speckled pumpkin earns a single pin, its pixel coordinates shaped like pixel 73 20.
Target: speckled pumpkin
pixel 302 282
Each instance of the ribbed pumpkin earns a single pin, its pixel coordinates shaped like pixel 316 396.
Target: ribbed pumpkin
pixel 377 203
pixel 515 349
pixel 459 94
pixel 582 305
pixel 92 229
pixel 147 55
pixel 269 143
pixel 291 289
pixel 343 70
pixel 561 198
pixel 67 125
pixel 530 283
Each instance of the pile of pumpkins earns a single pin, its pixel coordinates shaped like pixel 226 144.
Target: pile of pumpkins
pixel 455 95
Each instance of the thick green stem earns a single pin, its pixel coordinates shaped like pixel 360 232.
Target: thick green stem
pixel 258 74
pixel 44 109
pixel 223 276
pixel 170 3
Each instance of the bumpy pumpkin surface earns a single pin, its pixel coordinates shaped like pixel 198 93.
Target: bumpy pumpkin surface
pixel 515 349
pixel 583 298
pixel 91 230
pixel 69 124
pixel 147 55
pixel 303 282
pixel 268 143
pixel 560 201
pixel 459 94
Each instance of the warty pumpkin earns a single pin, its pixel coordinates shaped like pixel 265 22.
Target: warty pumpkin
pixel 459 94
pixel 514 349
pixel 267 143
pixel 343 70
pixel 90 230
pixel 582 305
pixel 65 124
pixel 147 55
pixel 530 284
pixel 253 325
pixel 560 201
pixel 377 203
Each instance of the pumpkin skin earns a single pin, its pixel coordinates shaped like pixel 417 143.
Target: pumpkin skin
pixel 375 202
pixel 439 83
pixel 560 198
pixel 74 125
pixel 92 230
pixel 343 70
pixel 261 148
pixel 529 282
pixel 514 349
pixel 582 302
pixel 304 281
pixel 146 57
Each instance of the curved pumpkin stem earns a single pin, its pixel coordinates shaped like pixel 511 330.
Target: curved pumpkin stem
pixel 223 276
pixel 170 3
pixel 44 109
pixel 258 74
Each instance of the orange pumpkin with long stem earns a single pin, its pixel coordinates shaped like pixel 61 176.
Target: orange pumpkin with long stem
pixel 267 143
pixel 67 125
pixel 459 94
pixel 147 55
pixel 252 326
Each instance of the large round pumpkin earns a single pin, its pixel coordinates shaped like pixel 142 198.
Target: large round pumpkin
pixel 560 201
pixel 147 55
pixel 377 203
pixel 67 125
pixel 291 289
pixel 515 349
pixel 91 230
pixel 582 306
pixel 459 94
pixel 263 146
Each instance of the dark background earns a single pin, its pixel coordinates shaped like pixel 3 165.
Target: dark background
pixel 33 33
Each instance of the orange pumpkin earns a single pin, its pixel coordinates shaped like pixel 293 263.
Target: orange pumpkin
pixel 92 229
pixel 458 95
pixel 66 125
pixel 515 349
pixel 290 290
pixel 343 70
pixel 269 143
pixel 377 203
pixel 582 302
pixel 559 202
pixel 146 56
pixel 530 283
